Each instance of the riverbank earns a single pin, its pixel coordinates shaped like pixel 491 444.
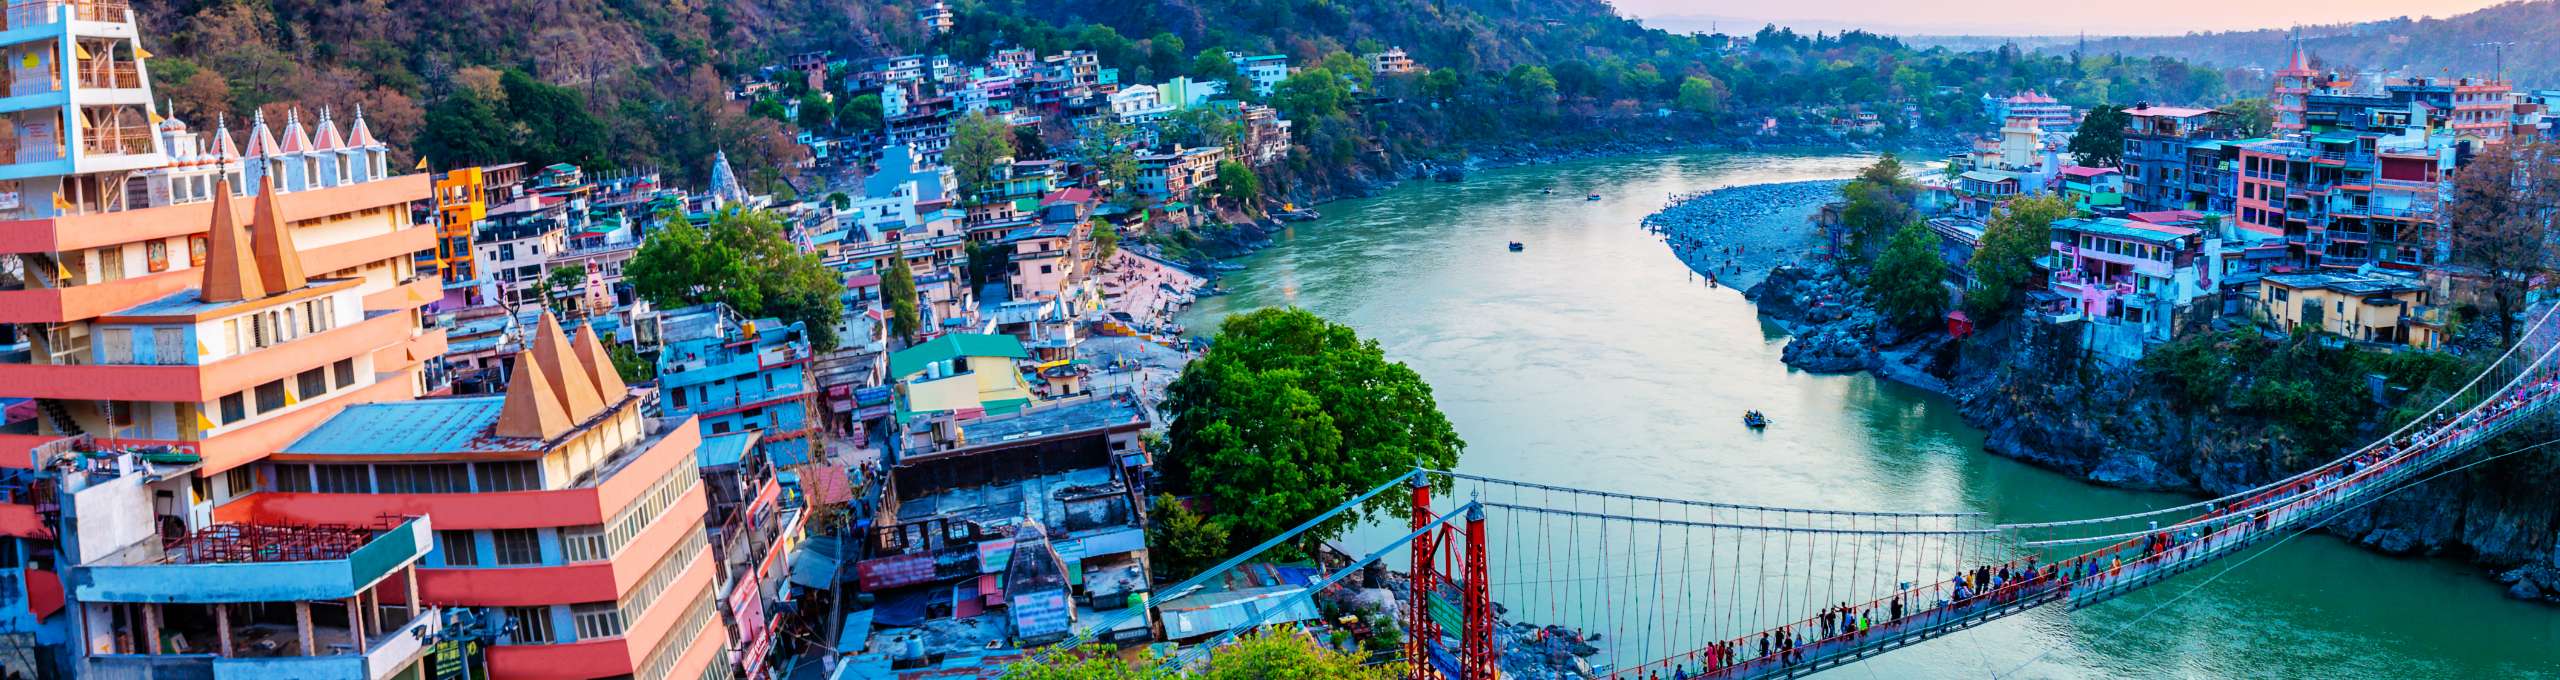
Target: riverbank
pixel 1591 361
pixel 1733 236
pixel 2032 394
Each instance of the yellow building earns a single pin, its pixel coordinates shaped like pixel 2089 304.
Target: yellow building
pixel 2372 309
pixel 462 200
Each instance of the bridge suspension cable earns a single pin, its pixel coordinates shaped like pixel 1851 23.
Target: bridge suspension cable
pixel 2540 326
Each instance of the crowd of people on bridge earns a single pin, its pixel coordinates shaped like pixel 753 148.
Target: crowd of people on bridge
pixel 1842 628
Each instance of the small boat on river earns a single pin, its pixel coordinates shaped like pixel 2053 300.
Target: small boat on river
pixel 1516 247
pixel 1754 420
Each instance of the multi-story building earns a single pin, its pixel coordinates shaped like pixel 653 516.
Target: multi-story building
pixel 2158 172
pixel 1392 61
pixel 461 201
pixel 1172 176
pixel 1262 72
pixel 2092 190
pixel 2048 112
pixel 738 375
pixel 560 506
pixel 754 526
pixel 2132 281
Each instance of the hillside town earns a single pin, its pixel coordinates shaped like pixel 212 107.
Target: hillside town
pixel 238 358
pixel 898 413
pixel 2330 215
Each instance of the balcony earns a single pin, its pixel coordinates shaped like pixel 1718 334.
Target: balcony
pixel 32 13
pixel 115 140
pixel 249 562
pixel 116 75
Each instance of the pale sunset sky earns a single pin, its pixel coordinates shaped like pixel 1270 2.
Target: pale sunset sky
pixel 2028 17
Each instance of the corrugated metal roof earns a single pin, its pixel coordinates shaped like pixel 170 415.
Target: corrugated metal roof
pixel 452 425
pixel 723 449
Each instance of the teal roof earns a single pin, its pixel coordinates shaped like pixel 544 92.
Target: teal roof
pixel 424 426
pixel 723 449
pixel 910 360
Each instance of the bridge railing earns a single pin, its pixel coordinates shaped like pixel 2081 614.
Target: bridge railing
pixel 2528 358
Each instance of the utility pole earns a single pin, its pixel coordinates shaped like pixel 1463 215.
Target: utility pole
pixel 2498 59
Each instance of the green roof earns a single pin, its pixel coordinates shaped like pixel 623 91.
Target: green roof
pixel 910 360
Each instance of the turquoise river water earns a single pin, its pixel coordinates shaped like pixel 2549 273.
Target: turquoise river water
pixel 1592 360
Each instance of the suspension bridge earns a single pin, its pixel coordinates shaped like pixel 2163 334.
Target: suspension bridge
pixel 1515 579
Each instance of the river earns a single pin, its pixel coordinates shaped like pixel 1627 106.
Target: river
pixel 1593 360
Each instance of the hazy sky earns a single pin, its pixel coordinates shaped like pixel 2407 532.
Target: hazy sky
pixel 2023 17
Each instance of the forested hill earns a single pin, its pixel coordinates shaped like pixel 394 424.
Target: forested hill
pixel 625 83
pixel 2451 46
pixel 1469 35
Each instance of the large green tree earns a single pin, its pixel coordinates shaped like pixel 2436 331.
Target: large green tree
pixel 1288 415
pixel 741 259
pixel 977 142
pixel 1907 281
pixel 1236 183
pixel 1879 202
pixel 2252 117
pixel 2099 143
pixel 1700 95
pixel 1111 147
pixel 1183 542
pixel 2004 267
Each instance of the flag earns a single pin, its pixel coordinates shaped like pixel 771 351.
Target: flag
pixel 139 53
pixel 422 164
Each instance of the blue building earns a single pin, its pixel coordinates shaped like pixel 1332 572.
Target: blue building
pixel 739 375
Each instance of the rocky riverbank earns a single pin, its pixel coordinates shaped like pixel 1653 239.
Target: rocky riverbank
pixel 2032 396
pixel 1735 235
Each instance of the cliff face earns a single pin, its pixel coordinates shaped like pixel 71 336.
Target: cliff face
pixel 2036 401
pixel 2116 427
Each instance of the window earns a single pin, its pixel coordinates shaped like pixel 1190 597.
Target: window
pixel 346 370
pixel 532 625
pixel 678 393
pixel 423 478
pixel 343 479
pixel 270 396
pixel 293 477
pixel 458 548
pixel 312 383
pixel 111 263
pixel 234 408
pixel 584 544
pixel 115 346
pixel 596 620
pixel 517 546
pixel 513 475
pixel 169 346
pixel 240 481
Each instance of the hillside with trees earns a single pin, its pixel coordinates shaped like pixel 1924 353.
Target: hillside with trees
pixel 2448 46
pixel 616 83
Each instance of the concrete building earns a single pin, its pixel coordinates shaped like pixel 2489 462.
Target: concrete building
pixel 561 507
pixel 1173 175
pixel 2133 282
pixel 2157 170
pixel 2385 311
pixel 739 375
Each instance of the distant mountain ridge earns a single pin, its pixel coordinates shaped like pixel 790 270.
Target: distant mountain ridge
pixel 2451 46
